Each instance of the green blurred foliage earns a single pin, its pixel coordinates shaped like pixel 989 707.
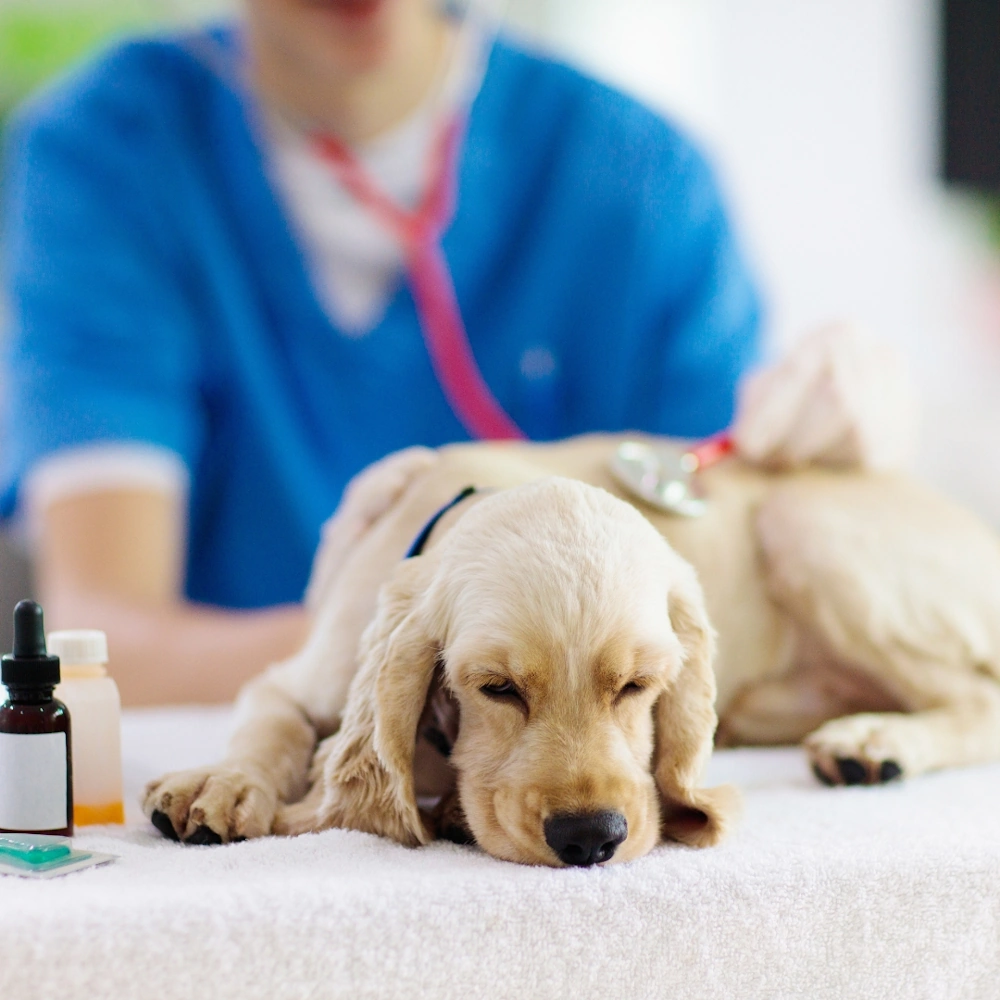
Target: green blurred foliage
pixel 38 38
pixel 993 210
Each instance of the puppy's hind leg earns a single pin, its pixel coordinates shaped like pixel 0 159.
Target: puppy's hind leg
pixel 785 709
pixel 902 588
pixel 874 747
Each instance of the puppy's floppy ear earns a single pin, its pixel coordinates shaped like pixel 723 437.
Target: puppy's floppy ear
pixel 685 722
pixel 367 766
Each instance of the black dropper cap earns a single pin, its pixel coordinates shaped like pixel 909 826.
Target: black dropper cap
pixel 29 665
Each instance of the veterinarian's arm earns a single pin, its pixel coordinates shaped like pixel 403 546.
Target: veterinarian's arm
pixel 114 560
pixel 699 307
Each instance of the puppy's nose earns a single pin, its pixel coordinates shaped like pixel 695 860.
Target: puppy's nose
pixel 585 839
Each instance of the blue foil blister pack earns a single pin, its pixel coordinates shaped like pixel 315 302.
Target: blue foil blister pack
pixel 36 855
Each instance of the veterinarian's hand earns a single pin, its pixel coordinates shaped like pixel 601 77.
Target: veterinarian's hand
pixel 211 805
pixel 840 399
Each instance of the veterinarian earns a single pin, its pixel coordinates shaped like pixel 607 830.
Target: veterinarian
pixel 243 264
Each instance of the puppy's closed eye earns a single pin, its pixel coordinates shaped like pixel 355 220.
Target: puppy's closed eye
pixel 631 689
pixel 502 690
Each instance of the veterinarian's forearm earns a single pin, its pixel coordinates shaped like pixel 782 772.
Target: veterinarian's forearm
pixel 114 560
pixel 181 652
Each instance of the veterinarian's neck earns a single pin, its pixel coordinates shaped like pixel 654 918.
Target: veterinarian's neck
pixel 356 101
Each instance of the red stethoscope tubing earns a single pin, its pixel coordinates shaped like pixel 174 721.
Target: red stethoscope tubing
pixel 433 289
pixel 712 450
pixel 431 284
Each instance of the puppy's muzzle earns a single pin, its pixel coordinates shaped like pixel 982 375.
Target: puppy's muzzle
pixel 585 839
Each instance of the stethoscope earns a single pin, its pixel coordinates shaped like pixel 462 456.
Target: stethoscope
pixel 418 230
pixel 419 233
pixel 662 474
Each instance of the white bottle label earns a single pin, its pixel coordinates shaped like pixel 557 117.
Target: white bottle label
pixel 32 781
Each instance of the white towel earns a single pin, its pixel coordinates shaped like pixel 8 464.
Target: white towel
pixel 845 894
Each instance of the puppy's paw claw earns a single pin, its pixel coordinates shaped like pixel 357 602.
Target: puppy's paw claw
pixel 857 750
pixel 162 823
pixel 211 805
pixel 203 835
pixel 890 771
pixel 852 771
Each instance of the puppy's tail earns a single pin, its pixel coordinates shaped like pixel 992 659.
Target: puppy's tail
pixel 367 498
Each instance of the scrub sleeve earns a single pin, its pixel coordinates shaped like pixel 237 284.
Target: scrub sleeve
pixel 118 366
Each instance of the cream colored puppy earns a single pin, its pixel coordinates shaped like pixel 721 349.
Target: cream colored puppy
pixel 540 678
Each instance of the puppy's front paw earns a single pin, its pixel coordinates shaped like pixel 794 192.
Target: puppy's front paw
pixel 867 749
pixel 212 805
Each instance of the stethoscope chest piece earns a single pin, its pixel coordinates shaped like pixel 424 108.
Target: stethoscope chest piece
pixel 662 474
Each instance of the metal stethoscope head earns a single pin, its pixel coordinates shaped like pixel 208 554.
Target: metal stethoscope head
pixel 665 474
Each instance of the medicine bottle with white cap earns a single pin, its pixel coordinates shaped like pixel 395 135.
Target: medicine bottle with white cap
pixel 95 707
pixel 36 770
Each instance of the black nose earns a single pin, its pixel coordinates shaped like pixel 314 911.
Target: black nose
pixel 585 839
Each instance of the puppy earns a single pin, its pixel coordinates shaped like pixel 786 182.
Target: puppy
pixel 539 679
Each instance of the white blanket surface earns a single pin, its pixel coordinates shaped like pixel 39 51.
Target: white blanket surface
pixel 844 894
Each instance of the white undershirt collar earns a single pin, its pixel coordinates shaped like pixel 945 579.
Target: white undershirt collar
pixel 354 262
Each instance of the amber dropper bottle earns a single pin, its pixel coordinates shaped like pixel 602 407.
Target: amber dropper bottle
pixel 36 774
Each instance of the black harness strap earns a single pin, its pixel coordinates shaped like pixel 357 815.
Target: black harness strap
pixel 417 547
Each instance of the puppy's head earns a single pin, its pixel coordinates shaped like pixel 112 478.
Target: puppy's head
pixel 576 646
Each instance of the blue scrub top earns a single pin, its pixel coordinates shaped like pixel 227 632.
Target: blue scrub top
pixel 157 296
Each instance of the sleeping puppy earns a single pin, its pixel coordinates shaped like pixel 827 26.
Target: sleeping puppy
pixel 539 679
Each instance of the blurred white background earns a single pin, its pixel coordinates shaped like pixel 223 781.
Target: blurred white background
pixel 822 120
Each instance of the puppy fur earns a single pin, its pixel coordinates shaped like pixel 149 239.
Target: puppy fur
pixel 551 653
